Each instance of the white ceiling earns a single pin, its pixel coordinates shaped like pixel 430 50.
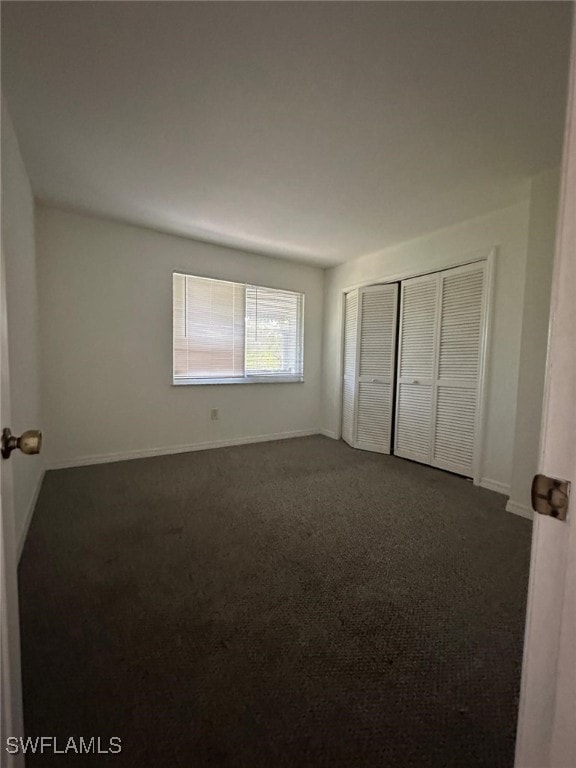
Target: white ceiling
pixel 312 131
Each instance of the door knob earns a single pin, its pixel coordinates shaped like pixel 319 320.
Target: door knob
pixel 29 442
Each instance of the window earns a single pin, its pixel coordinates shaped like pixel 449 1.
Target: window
pixel 235 333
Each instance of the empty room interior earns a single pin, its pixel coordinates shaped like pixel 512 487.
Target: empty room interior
pixel 277 284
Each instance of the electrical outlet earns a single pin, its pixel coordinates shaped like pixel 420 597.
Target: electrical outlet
pixel 214 414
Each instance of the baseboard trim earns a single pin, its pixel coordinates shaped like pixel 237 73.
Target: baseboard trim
pixel 145 453
pixel 329 433
pixel 29 514
pixel 495 485
pixel 519 509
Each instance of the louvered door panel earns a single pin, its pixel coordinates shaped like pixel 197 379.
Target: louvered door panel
pixel 374 416
pixel 349 374
pixel 376 358
pixel 377 336
pixel 418 323
pixel 416 368
pixel 414 422
pixel 459 358
pixel 455 427
pixel 461 326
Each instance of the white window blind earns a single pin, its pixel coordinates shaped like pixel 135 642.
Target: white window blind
pixel 273 332
pixel 233 332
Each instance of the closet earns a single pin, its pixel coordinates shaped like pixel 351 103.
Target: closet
pixel 435 410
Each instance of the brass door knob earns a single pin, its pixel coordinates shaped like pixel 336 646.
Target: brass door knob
pixel 29 442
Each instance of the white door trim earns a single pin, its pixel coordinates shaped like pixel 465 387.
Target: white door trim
pixel 469 257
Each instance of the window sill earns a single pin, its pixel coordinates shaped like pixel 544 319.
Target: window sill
pixel 246 380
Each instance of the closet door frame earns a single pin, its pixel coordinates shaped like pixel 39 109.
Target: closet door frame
pixel 487 255
pixel 483 370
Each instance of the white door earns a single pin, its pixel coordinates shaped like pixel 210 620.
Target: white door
pixel 439 368
pixel 369 361
pixel 10 679
pixel 547 716
pixel 457 372
pixel 416 367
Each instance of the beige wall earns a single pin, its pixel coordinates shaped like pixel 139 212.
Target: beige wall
pixel 22 311
pixel 507 229
pixel 534 341
pixel 106 312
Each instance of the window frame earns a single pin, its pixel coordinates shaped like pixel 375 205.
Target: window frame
pixel 184 381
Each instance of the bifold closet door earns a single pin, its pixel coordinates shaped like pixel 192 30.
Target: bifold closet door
pixel 416 368
pixel 369 362
pixel 439 365
pixel 459 363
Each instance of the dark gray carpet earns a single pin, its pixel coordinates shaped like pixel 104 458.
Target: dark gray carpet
pixel 295 603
